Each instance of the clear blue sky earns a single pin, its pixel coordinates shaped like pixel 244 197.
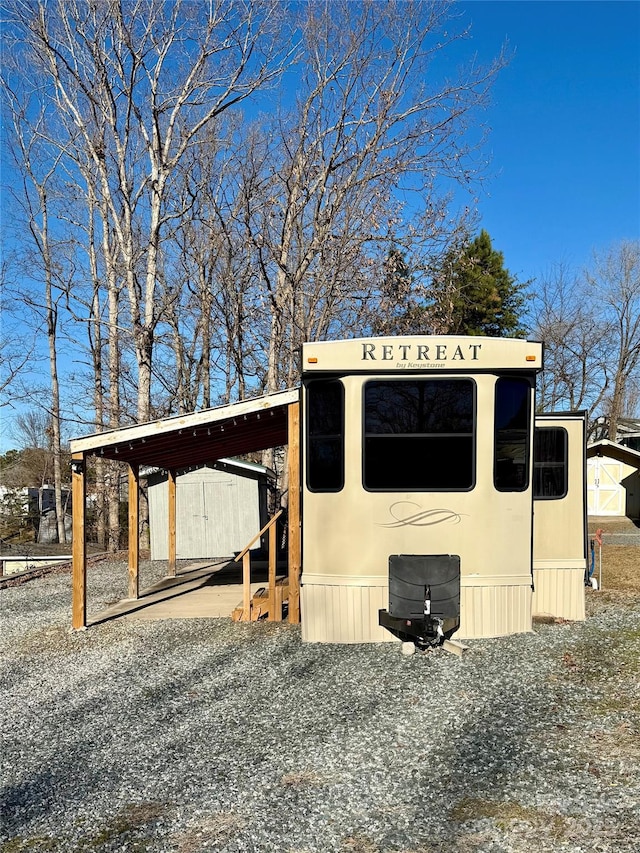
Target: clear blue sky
pixel 565 119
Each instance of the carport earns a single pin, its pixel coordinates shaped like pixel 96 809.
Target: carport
pixel 179 442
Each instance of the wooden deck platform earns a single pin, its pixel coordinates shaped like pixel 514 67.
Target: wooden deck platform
pixel 201 591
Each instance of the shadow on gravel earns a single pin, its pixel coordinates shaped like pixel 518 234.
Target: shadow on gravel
pixel 31 800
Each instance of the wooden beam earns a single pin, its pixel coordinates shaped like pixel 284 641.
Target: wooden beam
pixel 454 647
pixel 246 587
pixel 171 499
pixel 272 575
pixel 134 531
pixel 295 556
pixel 79 547
pixel 259 535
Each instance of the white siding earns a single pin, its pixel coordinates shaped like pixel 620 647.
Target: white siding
pixel 607 483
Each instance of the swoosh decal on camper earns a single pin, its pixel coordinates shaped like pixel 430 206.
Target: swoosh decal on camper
pixel 422 518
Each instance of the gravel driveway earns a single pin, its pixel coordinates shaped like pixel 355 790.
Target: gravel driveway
pixel 203 735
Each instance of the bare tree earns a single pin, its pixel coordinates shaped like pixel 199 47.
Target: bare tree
pixel 576 374
pixel 137 83
pixel 17 345
pixel 32 429
pixel 38 165
pixel 370 126
pixel 210 282
pixel 209 245
pixel 93 298
pixel 590 324
pixel 614 288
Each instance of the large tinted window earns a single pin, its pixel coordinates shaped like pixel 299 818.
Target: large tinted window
pixel 419 434
pixel 325 435
pixel 512 432
pixel 549 462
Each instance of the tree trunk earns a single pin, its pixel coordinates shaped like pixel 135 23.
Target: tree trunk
pixel 52 329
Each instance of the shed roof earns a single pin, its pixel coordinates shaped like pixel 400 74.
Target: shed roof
pixel 198 437
pixel 615 451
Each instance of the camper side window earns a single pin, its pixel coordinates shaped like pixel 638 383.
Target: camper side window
pixel 512 422
pixel 325 435
pixel 419 435
pixel 550 475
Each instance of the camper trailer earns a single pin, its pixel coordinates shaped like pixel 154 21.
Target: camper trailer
pixel 418 489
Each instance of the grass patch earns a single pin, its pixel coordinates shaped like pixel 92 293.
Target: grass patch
pixel 612 524
pixel 620 567
pixel 212 833
pixel 37 844
pixel 550 620
pixel 302 779
pixel 129 827
pixel 504 813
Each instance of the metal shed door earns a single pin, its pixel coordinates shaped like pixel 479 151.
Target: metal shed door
pixel 207 518
pixel 191 540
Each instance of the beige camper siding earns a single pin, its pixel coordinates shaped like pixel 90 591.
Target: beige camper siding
pixel 559 593
pixel 348 540
pixel 494 611
pixel 343 612
pixel 559 540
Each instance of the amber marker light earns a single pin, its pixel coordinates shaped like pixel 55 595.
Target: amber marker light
pixel 531 358
pixel 312 360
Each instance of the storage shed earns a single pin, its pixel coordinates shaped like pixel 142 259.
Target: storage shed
pixel 219 507
pixel 613 480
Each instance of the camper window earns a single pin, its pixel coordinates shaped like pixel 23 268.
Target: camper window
pixel 550 475
pixel 325 435
pixel 419 434
pixel 512 432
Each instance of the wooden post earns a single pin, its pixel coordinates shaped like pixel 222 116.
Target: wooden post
pixel 295 557
pixel 272 575
pixel 171 500
pixel 79 548
pixel 246 587
pixel 134 530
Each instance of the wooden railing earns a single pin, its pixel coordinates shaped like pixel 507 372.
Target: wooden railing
pixel 274 597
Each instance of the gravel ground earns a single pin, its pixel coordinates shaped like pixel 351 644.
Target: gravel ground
pixel 621 538
pixel 203 735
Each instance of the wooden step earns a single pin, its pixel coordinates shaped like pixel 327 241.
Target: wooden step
pixel 260 603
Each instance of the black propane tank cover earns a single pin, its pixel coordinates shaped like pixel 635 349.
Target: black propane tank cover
pixel 410 574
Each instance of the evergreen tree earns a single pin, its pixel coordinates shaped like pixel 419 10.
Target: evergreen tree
pixel 469 292
pixel 482 296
